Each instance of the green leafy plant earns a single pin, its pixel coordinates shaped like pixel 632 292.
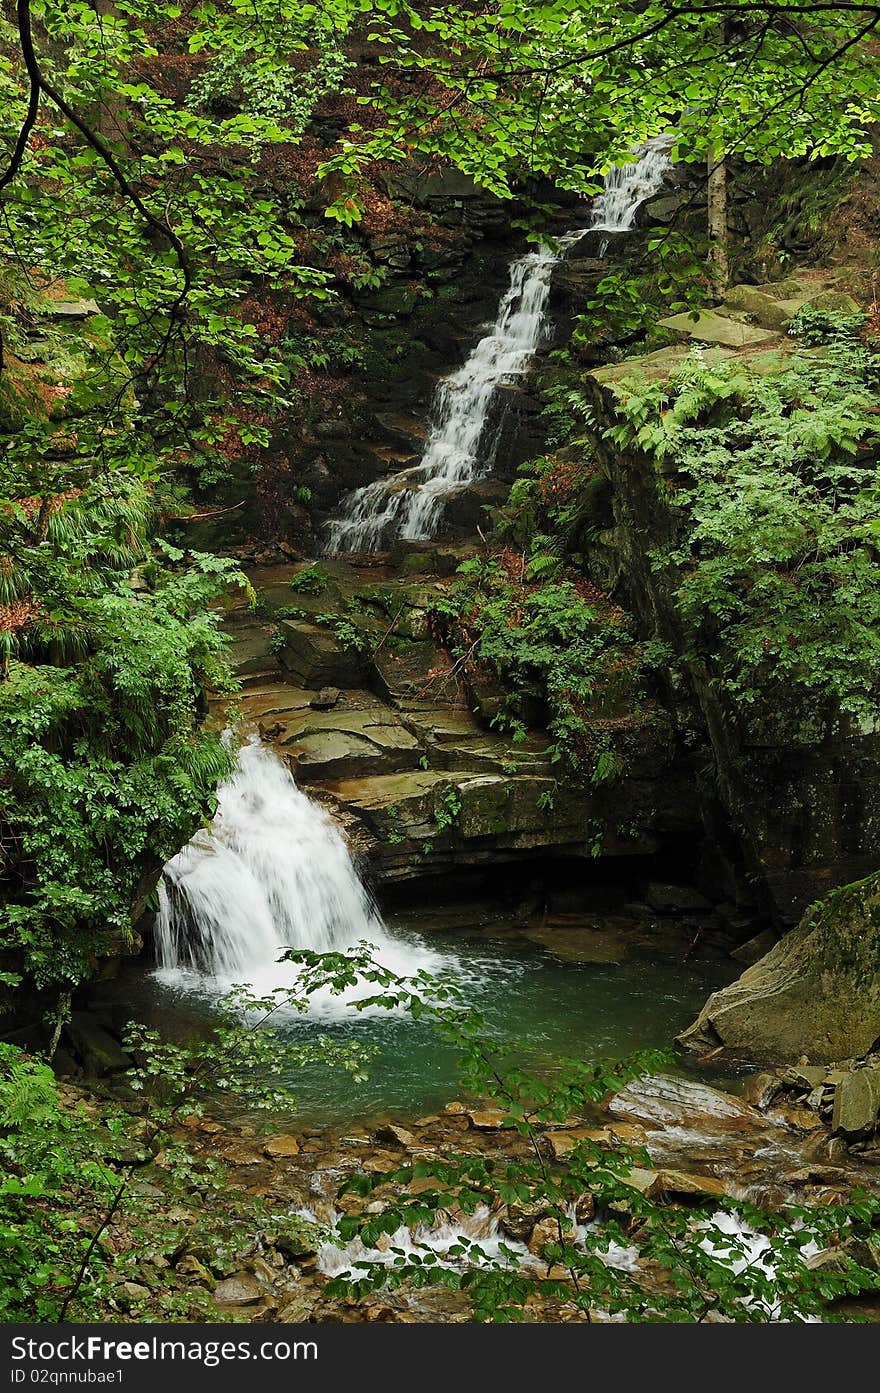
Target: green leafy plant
pixel 447 810
pixel 774 478
pixel 564 654
pixel 311 580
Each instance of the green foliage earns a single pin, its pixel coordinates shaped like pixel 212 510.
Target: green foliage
pixel 628 304
pixel 447 810
pixel 69 1170
pixel 562 653
pixel 312 580
pixel 106 650
pixel 253 81
pixel 546 86
pixel 551 508
pixel 775 476
pixel 346 630
pixel 53 1162
pixel 813 326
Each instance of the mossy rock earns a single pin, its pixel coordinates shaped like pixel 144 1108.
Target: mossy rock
pixel 816 993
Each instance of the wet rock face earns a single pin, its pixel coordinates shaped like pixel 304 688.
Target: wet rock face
pixel 816 994
pixel 400 749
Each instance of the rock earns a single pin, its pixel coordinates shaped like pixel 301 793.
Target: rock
pixel 240 1154
pixel 661 210
pixel 583 944
pixel 68 309
pixel 545 1231
pixel 326 699
pixel 135 1292
pixel 486 1119
pixel 709 326
pixel 765 309
pixel 819 1175
pixel 518 1219
pixel 316 657
pixel 282 1145
pixel 98 1051
pixel 805 1077
pixel 835 302
pixel 839 1258
pixel 350 744
pixel 676 899
pixel 395 1135
pixel 754 948
pixel 662 1101
pixel 816 993
pixel 242 1289
pixel 298 1305
pixel 561 1143
pixel 190 1266
pixel 856 1103
pixel 647 1182
pixel 761 1089
pixel 675 1183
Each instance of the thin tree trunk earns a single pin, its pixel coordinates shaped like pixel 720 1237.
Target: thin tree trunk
pixel 717 195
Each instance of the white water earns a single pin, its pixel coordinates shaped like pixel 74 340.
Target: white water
pixel 273 872
pixel 461 1241
pixel 410 504
pixel 479 1234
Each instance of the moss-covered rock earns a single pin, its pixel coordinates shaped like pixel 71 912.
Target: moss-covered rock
pixel 817 993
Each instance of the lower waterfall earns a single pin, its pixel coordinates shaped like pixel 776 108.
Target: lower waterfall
pixel 272 872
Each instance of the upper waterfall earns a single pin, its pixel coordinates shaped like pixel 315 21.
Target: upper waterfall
pixel 272 872
pixel 410 503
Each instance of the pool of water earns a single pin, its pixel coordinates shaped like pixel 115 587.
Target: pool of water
pixel 556 1009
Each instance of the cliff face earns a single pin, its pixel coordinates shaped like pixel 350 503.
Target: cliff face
pixel 797 777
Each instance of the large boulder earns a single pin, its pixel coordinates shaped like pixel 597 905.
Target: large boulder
pixel 817 993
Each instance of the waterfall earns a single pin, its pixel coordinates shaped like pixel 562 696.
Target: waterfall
pixel 272 872
pixel 410 504
pixel 627 187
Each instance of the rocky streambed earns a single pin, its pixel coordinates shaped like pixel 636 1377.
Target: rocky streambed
pixel 696 1148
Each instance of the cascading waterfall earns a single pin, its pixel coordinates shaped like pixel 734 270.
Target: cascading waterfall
pixel 272 872
pixel 627 187
pixel 410 504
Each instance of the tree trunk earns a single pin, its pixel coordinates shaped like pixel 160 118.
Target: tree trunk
pixel 717 195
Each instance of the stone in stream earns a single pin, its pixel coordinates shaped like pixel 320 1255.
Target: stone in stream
pixel 282 1145
pixel 815 994
pixel 316 657
pixel 664 1101
pixel 676 899
pixel 392 1133
pixel 325 699
pixel 242 1289
pixel 98 1051
pixel 761 1089
pixel 546 1231
pixel 487 1119
pixel 856 1103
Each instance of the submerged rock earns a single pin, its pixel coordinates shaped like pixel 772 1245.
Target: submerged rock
pixel 817 993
